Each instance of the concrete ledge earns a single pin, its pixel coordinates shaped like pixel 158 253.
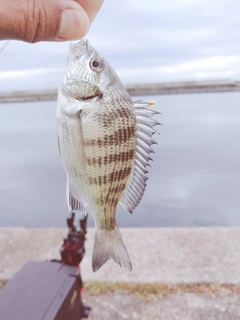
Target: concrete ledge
pixel 166 255
pixel 136 89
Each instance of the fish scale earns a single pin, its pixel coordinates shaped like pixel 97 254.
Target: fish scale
pixel 104 141
pixel 104 180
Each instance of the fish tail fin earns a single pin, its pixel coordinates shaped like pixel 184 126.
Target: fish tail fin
pixel 108 244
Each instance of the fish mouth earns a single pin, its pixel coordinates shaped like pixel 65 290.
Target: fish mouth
pixel 68 93
pixel 87 46
pixel 96 96
pixel 82 46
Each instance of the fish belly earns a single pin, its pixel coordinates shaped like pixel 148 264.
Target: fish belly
pixel 72 154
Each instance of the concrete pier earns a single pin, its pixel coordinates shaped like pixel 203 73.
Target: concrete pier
pixel 164 255
pixel 133 89
pixel 202 264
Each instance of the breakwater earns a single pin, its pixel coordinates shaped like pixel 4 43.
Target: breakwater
pixel 133 89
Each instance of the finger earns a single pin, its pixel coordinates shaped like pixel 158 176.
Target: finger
pixel 74 22
pixel 91 7
pixel 77 18
pixel 39 20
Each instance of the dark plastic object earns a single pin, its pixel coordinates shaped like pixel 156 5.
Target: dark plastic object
pixel 43 291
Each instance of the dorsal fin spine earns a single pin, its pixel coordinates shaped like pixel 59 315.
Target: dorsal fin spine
pixel 141 166
pixel 144 131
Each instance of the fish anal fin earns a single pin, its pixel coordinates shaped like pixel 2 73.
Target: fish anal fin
pixel 145 130
pixel 73 202
pixel 59 149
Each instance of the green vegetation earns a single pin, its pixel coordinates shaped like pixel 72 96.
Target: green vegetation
pixel 158 289
pixel 2 283
pixel 149 290
pixel 141 289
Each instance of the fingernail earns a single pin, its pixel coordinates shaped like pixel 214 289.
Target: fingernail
pixel 74 25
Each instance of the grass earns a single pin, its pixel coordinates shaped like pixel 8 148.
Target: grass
pixel 147 290
pixel 141 289
pixel 2 283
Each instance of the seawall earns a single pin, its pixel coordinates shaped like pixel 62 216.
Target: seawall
pixel 166 255
pixel 133 89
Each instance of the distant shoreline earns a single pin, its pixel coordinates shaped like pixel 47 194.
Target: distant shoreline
pixel 133 89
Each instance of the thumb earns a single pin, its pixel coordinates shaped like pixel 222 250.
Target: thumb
pixel 39 20
pixel 74 23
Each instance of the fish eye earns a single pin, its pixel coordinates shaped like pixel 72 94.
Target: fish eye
pixel 96 64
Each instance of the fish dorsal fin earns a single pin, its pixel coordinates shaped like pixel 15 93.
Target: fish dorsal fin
pixel 144 132
pixel 73 202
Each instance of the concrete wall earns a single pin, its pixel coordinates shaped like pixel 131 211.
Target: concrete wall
pixel 168 255
pixel 133 89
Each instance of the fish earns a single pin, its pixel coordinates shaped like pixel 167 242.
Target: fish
pixel 104 141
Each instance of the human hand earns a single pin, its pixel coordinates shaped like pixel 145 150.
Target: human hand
pixel 46 20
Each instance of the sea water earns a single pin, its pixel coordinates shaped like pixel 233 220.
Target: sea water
pixel 194 179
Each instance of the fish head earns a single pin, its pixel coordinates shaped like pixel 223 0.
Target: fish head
pixel 87 74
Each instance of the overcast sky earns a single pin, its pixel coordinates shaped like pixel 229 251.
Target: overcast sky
pixel 144 40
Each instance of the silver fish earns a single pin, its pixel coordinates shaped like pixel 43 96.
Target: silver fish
pixel 104 140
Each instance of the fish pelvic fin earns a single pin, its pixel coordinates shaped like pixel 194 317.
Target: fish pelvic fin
pixel 108 244
pixel 73 202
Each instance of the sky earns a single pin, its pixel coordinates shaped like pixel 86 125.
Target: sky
pixel 144 40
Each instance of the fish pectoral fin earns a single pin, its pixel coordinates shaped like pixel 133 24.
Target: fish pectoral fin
pixel 108 244
pixel 73 202
pixel 59 148
pixel 144 132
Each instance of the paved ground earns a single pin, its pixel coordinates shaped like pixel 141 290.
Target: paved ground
pixel 154 301
pixel 188 306
pixel 171 256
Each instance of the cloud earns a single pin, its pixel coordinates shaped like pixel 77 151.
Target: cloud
pixel 28 79
pixel 25 73
pixel 144 41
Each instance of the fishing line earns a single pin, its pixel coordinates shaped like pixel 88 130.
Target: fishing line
pixel 54 95
pixel 4 46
